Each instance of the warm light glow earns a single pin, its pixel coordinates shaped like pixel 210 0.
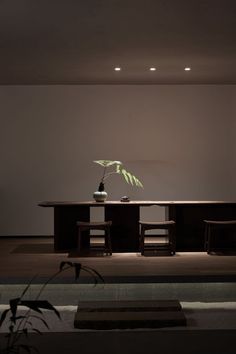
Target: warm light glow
pixel 117 68
pixel 152 69
pixel 187 68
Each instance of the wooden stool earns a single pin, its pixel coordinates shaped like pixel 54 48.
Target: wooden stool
pixel 102 225
pixel 213 224
pixel 161 225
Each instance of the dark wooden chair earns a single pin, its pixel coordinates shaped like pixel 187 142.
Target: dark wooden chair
pixel 211 228
pixel 169 246
pixel 93 225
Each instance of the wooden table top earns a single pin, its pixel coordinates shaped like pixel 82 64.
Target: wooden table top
pixel 134 202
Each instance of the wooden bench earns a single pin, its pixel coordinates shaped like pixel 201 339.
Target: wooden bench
pixel 169 246
pixel 105 315
pixel 93 225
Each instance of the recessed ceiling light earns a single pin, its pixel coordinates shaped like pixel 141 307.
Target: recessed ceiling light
pixel 117 68
pixel 152 69
pixel 187 68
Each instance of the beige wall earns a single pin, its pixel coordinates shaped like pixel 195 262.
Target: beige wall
pixel 233 151
pixel 179 140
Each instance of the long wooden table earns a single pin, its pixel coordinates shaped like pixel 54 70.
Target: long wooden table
pixel 188 215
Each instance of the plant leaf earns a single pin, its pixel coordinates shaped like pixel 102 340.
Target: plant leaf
pixel 3 316
pixel 118 168
pixel 63 264
pixel 77 270
pixel 28 348
pixel 29 323
pixel 137 182
pixel 11 328
pixel 37 330
pixel 15 318
pixel 124 174
pixel 27 287
pixel 93 273
pixel 40 319
pixel 107 163
pixel 36 305
pixel 13 306
pixel 130 178
pixel 103 163
pixel 98 275
pixel 110 163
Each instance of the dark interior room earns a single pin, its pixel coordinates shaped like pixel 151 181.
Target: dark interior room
pixel 118 169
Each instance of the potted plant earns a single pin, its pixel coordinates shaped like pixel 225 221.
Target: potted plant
pixel 110 168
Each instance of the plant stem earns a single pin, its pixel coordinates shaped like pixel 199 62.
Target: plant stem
pixel 108 174
pixel 104 173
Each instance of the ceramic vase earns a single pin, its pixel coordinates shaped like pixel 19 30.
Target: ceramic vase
pixel 100 195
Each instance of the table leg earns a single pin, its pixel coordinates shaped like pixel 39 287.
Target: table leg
pixel 65 230
pixel 125 227
pixel 190 226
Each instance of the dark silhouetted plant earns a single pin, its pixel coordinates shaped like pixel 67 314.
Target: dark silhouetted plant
pixel 20 325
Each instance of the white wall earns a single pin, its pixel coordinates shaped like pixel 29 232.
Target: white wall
pixel 179 140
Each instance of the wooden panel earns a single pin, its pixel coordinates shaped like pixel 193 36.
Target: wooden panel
pixel 190 225
pixel 125 227
pixel 65 231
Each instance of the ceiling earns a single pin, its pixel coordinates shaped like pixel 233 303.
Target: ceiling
pixel 81 41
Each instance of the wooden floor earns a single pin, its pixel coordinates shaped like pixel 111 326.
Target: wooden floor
pixel 22 258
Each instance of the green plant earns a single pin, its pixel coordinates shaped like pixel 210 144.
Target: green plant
pixel 118 169
pixel 20 325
